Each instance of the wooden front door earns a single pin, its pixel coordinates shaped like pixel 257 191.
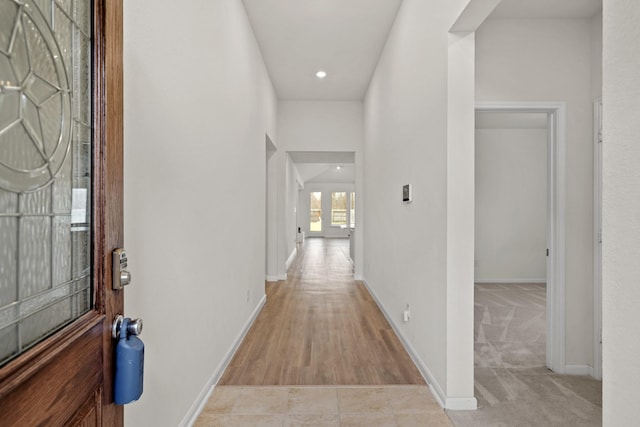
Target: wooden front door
pixel 61 213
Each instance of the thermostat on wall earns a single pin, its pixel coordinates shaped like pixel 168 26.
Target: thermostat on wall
pixel 407 193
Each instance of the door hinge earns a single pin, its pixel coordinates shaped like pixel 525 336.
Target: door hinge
pixel 547 252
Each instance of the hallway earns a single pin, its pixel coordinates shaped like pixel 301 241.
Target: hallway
pixel 321 327
pixel 321 354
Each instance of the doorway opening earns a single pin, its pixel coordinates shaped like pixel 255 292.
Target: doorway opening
pixel 552 115
pixel 326 197
pixel 510 240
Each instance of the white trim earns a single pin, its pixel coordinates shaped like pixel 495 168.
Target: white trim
pixel 597 245
pixel 461 404
pixel 198 405
pixel 578 370
pixel 473 15
pixel 271 278
pixel 282 277
pixel 458 403
pixel 291 258
pixel 515 281
pixel 556 194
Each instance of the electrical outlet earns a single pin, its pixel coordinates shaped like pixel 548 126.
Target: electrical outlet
pixel 407 314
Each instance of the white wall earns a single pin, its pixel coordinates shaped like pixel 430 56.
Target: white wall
pixel 511 205
pixel 550 60
pixel 621 215
pixel 293 180
pixel 323 126
pixel 596 56
pixel 460 213
pixel 198 102
pixel 304 204
pixel 320 125
pixel 271 220
pixel 406 142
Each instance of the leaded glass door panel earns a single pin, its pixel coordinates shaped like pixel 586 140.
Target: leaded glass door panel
pixel 45 169
pixel 60 209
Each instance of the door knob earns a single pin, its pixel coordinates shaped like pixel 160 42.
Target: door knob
pixel 134 327
pixel 129 361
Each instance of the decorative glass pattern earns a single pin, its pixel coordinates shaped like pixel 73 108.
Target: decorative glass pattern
pixel 45 168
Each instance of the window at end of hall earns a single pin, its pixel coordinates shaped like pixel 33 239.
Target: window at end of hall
pixel 339 208
pixel 315 213
pixel 352 214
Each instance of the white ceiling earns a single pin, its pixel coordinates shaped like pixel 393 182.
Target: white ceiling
pixel 342 37
pixel 322 166
pixel 345 38
pixel 545 9
pixel 327 173
pixel 335 157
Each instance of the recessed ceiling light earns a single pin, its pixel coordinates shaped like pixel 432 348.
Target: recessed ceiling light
pixel 321 74
pixel 338 167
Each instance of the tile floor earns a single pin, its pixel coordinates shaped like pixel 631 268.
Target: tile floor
pixel 284 406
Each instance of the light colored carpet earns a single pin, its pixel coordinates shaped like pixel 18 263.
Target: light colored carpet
pixel 510 325
pixel 512 384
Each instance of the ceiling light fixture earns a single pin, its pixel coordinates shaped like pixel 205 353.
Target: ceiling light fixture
pixel 321 74
pixel 338 167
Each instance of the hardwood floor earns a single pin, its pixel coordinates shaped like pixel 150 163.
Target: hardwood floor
pixel 321 327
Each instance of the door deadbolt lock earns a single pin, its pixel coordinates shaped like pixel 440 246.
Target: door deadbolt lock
pixel 121 277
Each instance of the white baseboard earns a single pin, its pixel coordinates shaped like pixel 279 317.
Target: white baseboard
pixel 578 370
pixel 292 257
pixel 271 278
pixel 282 276
pixel 197 406
pixel 510 280
pixel 456 403
pixel 461 404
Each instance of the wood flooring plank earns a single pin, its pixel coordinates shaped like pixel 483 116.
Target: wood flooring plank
pixel 320 327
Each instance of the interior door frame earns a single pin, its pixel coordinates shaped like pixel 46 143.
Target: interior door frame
pixel 22 382
pixel 556 218
pixel 597 238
